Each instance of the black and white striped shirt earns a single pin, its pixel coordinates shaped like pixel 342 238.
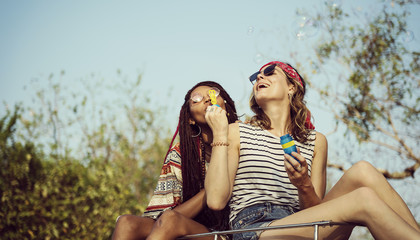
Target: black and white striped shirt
pixel 261 175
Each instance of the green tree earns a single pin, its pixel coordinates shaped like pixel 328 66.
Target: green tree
pixel 20 168
pixel 376 94
pixel 366 72
pixel 71 164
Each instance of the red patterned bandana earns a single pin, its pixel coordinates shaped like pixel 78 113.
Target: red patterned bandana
pixel 291 72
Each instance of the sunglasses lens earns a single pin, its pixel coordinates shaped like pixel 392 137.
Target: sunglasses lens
pixel 268 71
pixel 253 77
pixel 196 97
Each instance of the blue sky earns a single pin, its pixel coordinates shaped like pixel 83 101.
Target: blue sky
pixel 173 44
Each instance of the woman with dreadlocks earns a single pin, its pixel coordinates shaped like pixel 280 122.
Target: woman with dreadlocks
pixel 178 206
pixel 264 186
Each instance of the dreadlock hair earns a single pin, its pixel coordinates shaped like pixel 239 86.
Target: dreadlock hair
pixel 191 168
pixel 298 110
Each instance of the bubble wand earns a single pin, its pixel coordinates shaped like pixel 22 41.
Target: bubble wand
pixel 212 94
pixel 288 145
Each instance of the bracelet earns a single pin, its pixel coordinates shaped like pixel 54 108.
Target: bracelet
pixel 214 144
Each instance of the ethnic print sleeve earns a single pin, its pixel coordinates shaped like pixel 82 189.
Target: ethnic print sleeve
pixel 168 192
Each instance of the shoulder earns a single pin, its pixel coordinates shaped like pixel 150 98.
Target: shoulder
pixel 237 127
pixel 234 133
pixel 320 139
pixel 234 126
pixel 234 129
pixel 321 144
pixel 174 155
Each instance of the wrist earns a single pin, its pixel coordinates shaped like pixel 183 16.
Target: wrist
pixel 220 137
pixel 306 188
pixel 215 144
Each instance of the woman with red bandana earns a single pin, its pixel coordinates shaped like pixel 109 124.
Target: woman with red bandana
pixel 178 205
pixel 264 186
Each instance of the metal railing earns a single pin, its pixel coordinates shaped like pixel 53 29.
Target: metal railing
pixel 297 225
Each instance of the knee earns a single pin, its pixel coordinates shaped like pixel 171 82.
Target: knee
pixel 123 228
pixel 367 200
pixel 169 225
pixel 132 227
pixel 168 220
pixel 364 174
pixel 125 222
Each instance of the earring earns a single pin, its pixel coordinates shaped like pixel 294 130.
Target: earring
pixel 199 131
pixel 224 101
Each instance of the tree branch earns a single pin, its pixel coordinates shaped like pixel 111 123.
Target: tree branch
pixel 408 172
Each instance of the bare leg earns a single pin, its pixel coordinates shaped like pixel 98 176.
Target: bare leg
pixel 363 174
pixel 173 224
pixel 362 206
pixel 130 227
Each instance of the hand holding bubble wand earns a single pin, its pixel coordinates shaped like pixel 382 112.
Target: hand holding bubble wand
pixel 212 95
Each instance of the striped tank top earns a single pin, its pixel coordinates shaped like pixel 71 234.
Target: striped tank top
pixel 261 175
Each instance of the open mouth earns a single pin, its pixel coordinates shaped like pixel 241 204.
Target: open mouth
pixel 262 85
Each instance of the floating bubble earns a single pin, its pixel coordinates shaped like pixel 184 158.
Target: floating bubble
pixel 300 35
pixel 406 37
pixel 305 27
pixel 335 3
pixel 258 58
pixel 250 30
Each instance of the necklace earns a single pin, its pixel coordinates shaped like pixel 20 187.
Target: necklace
pixel 202 162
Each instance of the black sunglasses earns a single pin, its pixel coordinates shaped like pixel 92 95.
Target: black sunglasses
pixel 268 71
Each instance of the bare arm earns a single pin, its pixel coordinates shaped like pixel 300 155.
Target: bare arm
pixel 222 171
pixel 193 206
pixel 319 165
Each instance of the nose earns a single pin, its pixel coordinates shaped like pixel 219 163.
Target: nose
pixel 260 76
pixel 207 101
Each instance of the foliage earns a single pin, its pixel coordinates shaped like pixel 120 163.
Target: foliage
pixel 376 95
pixel 53 188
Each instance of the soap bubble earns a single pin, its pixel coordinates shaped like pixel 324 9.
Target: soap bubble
pixel 258 58
pixel 305 27
pixel 406 37
pixel 335 3
pixel 250 30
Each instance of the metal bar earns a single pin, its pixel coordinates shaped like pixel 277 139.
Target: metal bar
pixel 315 224
pixel 316 232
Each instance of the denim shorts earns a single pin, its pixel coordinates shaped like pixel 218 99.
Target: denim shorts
pixel 258 215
